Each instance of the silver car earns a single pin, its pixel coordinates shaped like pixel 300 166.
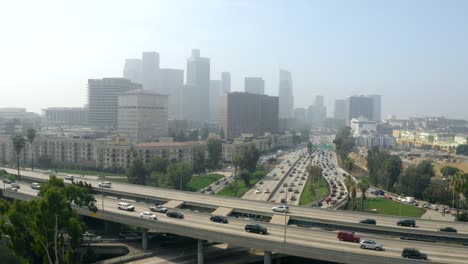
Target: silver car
pixel 370 244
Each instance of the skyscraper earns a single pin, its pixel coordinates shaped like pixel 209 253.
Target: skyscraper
pixel 132 70
pixel 226 82
pixel 142 115
pixel 245 113
pixel 192 96
pixel 357 106
pixel 254 85
pixel 198 74
pixel 300 114
pixel 103 100
pixel 377 101
pixel 317 113
pixel 150 71
pixel 340 109
pixel 171 82
pixel 215 93
pixel 286 99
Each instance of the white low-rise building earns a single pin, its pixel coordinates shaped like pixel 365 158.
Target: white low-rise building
pixel 362 125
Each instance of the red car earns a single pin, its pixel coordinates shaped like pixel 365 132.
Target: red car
pixel 348 236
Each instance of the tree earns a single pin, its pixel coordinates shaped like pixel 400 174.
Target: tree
pixel 214 149
pixel 250 156
pixel 245 176
pixel 353 193
pixel 269 141
pixel 275 140
pixel 193 134
pixel 137 173
pixel 179 174
pixel 448 171
pixel 205 132
pixel 180 137
pixel 363 186
pixel 309 147
pixel 438 191
pixel 344 142
pixel 384 169
pixel 348 182
pixel 462 149
pixel 416 179
pixel 221 134
pixel 199 161
pixel 18 145
pixel 236 162
pixel 158 164
pixel 315 172
pixel 348 162
pixel 31 135
pixel 46 230
pixel 459 185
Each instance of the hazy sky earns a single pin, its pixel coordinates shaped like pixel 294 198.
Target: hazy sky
pixel 414 53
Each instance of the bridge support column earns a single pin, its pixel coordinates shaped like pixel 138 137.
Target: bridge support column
pixel 106 226
pixel 144 238
pixel 200 252
pixel 267 257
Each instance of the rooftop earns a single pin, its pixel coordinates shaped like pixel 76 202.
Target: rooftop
pixel 167 144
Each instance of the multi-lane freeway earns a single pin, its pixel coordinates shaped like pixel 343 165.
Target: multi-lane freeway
pixel 313 238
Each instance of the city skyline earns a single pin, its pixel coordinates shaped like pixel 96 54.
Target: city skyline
pixel 421 54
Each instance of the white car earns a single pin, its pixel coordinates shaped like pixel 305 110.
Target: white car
pixel 69 177
pixel 148 215
pixel 126 207
pixel 267 191
pixel 280 208
pixel 105 184
pixel 90 237
pixel 370 244
pixel 257 191
pixel 35 186
pixel 276 178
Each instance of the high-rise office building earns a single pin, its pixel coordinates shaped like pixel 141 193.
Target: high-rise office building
pixel 245 113
pixel 340 109
pixel 192 96
pixel 65 115
pixel 171 83
pixel 300 114
pixel 103 100
pixel 286 99
pixel 198 74
pixel 359 106
pixel 254 85
pixel 317 113
pixel 377 101
pixel 150 71
pixel 226 82
pixel 142 115
pixel 215 93
pixel 132 70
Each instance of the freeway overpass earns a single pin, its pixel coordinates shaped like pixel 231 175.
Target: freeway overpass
pixel 298 241
pixel 261 210
pixel 305 242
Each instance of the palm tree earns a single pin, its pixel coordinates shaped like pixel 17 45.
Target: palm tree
pixel 353 194
pixel 236 161
pixel 386 169
pixel 18 145
pixel 348 181
pixel 363 186
pixel 349 164
pixel 459 184
pixel 31 135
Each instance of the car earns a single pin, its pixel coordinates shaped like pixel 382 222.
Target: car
pixel 104 184
pixel 175 214
pixel 290 189
pixel 6 180
pixel 300 183
pixel 69 177
pixel 256 228
pixel 280 208
pixel 276 178
pixel 283 200
pixel 348 236
pixel 257 191
pixel 12 189
pixel 274 174
pixel 285 185
pixel 15 185
pixel 266 190
pixel 291 184
pixel 219 219
pixel 35 186
pixel 129 235
pixel 126 206
pixel 296 191
pixel 158 209
pixel 448 229
pixel 371 244
pixel 333 201
pixel 413 254
pixel 281 190
pixel 90 237
pixel 282 171
pixel 368 221
pixel 208 189
pixel 406 222
pixel 148 215
pixel 293 198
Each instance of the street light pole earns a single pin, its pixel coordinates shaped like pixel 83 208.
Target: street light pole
pixel 102 195
pixel 285 221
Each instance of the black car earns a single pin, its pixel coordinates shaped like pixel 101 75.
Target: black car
pixel 175 214
pixel 368 221
pixel 413 253
pixel 6 180
pixel 448 229
pixel 256 228
pixel 15 185
pixel 406 222
pixel 219 219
